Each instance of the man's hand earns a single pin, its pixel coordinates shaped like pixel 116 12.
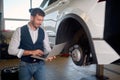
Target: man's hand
pixel 50 58
pixel 37 52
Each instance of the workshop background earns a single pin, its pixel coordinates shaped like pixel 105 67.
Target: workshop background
pixel 62 68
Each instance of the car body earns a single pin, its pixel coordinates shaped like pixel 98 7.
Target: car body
pixel 80 23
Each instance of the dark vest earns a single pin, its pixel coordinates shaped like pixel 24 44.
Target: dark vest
pixel 27 44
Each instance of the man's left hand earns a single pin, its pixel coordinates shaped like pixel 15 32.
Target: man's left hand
pixel 50 58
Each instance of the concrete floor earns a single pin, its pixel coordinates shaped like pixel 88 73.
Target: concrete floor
pixel 62 68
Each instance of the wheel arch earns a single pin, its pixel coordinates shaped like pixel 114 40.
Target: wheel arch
pixel 68 27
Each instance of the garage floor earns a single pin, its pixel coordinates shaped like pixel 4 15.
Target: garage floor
pixel 62 68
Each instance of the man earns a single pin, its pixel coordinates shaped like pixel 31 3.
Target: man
pixel 30 40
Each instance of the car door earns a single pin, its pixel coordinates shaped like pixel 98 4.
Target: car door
pixel 52 10
pixel 50 20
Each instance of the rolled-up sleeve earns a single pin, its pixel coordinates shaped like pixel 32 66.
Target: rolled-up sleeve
pixel 47 47
pixel 13 48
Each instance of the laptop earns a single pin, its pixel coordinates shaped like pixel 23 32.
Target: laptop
pixel 55 51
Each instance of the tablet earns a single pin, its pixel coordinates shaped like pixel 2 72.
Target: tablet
pixel 55 51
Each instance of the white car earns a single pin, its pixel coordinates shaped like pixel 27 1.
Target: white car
pixel 80 23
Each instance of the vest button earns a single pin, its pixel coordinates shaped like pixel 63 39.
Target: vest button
pixel 34 60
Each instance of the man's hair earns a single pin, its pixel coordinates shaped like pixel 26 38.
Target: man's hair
pixel 35 11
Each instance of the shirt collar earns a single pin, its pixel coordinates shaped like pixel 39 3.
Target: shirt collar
pixel 31 29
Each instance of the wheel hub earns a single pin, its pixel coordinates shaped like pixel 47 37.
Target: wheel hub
pixel 76 55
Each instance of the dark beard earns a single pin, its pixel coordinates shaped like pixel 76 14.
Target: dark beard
pixel 33 25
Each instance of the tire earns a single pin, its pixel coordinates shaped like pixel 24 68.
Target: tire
pixel 10 73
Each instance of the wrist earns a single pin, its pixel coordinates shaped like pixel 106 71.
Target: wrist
pixel 27 52
pixel 30 52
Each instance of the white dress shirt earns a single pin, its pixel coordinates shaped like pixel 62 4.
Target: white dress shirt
pixel 15 42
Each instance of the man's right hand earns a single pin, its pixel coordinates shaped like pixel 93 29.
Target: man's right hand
pixel 37 52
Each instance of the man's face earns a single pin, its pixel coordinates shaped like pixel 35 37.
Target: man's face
pixel 37 20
